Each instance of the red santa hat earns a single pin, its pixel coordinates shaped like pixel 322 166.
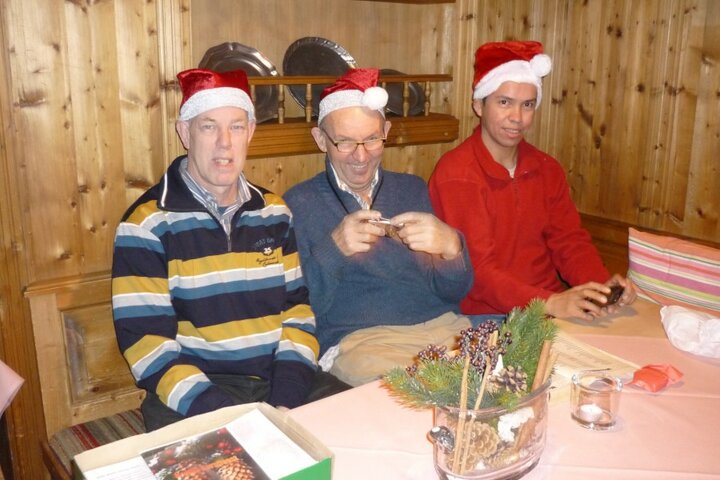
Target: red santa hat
pixel 204 90
pixel 356 88
pixel 520 62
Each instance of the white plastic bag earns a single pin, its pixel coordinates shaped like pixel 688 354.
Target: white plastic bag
pixel 692 331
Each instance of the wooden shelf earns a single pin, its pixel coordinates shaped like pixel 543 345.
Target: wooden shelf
pixel 293 137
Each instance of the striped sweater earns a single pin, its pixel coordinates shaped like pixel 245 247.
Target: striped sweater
pixel 190 300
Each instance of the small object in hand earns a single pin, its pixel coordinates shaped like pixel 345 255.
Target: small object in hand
pixel 616 292
pixel 391 229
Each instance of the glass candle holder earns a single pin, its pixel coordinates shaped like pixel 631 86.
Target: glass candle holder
pixel 595 399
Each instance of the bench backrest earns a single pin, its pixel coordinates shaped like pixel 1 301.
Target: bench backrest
pixel 82 374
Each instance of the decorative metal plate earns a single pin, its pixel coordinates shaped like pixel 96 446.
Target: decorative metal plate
pixel 315 56
pixel 236 56
pixel 416 96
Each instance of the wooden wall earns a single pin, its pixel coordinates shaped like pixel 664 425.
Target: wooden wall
pixel 88 101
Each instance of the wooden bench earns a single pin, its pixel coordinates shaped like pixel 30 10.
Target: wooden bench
pixel 88 394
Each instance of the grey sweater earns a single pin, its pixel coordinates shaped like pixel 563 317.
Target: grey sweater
pixel 390 284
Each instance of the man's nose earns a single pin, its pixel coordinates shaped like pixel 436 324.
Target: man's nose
pixel 224 138
pixel 516 114
pixel 361 153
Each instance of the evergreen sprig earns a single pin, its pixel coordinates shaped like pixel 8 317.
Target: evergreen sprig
pixel 529 329
pixel 436 381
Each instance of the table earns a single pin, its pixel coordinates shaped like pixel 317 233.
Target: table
pixel 673 434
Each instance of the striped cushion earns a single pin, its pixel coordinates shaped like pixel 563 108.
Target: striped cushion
pixel 671 271
pixel 76 439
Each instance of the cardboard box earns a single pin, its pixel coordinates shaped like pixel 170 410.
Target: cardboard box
pixel 132 447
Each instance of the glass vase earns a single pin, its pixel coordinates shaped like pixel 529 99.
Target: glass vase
pixel 491 443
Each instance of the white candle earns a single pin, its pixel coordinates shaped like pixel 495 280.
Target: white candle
pixel 590 412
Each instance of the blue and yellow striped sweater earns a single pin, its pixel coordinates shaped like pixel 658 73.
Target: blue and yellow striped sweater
pixel 189 300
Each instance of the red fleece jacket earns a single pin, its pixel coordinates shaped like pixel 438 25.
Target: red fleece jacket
pixel 522 232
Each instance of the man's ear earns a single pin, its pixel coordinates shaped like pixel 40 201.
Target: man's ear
pixel 388 124
pixel 319 139
pixel 251 130
pixel 183 130
pixel 477 107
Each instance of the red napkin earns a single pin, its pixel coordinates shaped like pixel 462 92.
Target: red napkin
pixel 656 377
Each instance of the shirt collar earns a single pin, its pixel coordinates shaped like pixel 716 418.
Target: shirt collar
pixel 205 197
pixel 345 188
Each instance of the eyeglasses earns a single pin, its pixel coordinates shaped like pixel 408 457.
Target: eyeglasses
pixel 349 146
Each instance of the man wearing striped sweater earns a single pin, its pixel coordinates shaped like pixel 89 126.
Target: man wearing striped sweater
pixel 209 301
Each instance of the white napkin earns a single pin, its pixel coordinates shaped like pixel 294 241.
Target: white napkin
pixel 692 331
pixel 10 383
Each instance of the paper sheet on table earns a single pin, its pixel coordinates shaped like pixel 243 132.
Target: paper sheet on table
pixel 575 355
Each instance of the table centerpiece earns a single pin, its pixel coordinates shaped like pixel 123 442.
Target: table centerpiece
pixel 489 395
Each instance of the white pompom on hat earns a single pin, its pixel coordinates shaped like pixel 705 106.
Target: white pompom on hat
pixel 356 88
pixel 499 62
pixel 205 90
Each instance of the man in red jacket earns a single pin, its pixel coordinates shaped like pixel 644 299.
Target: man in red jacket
pixel 512 201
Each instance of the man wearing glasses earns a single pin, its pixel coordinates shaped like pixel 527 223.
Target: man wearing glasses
pixel 385 274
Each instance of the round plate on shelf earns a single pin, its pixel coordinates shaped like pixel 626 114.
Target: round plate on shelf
pixel 236 56
pixel 315 56
pixel 416 95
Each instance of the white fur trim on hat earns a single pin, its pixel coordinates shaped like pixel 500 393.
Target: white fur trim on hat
pixel 205 100
pixel 519 71
pixel 374 98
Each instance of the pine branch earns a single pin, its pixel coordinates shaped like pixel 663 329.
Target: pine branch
pixel 529 329
pixel 438 381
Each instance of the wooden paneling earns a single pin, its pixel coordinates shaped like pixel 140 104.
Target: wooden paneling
pixel 24 418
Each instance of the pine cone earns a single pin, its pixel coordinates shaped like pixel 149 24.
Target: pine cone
pixel 504 458
pixel 483 439
pixel 510 378
pixel 484 442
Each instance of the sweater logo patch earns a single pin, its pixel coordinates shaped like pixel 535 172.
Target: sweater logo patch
pixel 269 255
pixel 263 244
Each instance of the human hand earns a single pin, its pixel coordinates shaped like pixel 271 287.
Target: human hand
pixel 582 301
pixel 628 295
pixel 424 232
pixel 355 235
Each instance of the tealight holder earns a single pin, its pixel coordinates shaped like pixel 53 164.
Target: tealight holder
pixel 595 399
